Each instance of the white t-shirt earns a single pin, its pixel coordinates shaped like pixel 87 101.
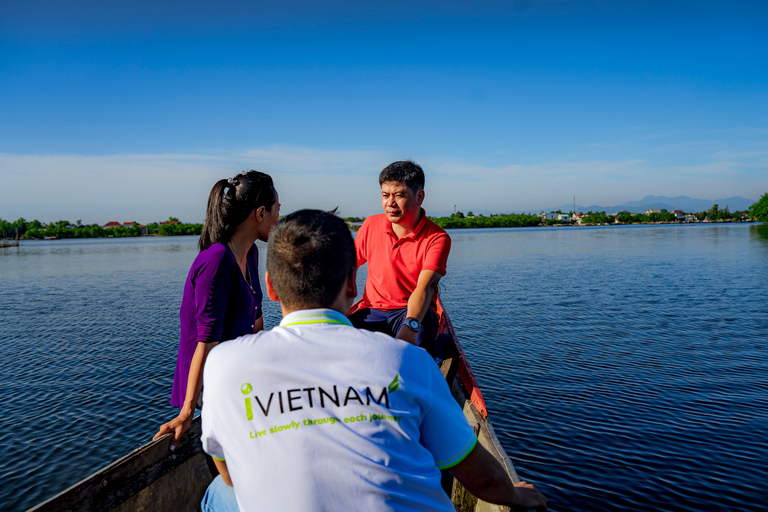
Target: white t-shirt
pixel 317 415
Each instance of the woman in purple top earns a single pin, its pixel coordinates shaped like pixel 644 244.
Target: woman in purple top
pixel 222 296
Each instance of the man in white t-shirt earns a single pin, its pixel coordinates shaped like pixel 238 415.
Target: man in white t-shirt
pixel 317 415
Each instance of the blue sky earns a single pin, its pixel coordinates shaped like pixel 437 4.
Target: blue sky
pixel 131 110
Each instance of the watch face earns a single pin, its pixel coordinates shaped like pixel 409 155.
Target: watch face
pixel 414 324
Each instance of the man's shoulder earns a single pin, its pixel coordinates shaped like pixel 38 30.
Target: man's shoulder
pixel 432 230
pixel 234 348
pixel 375 221
pixel 277 337
pixel 433 227
pixel 279 344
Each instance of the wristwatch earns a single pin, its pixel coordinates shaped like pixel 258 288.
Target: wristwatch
pixel 413 324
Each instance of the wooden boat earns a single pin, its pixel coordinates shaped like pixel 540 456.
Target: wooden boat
pixel 152 478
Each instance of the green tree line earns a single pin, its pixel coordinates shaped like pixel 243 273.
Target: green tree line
pixel 759 210
pixel 30 230
pixel 64 229
pixel 509 220
pixel 713 214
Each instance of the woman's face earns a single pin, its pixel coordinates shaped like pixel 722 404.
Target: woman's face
pixel 271 217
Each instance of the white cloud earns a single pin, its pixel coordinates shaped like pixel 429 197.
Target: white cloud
pixel 149 187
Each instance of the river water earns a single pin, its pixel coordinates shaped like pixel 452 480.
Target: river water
pixel 625 368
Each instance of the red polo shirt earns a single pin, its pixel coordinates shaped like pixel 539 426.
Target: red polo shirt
pixel 394 265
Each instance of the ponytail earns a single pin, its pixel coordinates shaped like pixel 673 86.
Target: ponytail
pixel 213 227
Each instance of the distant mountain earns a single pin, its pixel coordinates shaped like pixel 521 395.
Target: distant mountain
pixel 684 203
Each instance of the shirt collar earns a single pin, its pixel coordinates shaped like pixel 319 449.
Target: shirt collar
pixel 314 316
pixel 419 227
pixel 421 224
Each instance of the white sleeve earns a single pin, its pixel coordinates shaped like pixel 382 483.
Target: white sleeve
pixel 211 445
pixel 445 431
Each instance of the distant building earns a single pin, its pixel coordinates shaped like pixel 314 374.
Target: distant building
pixel 679 214
pixel 111 225
pixel 564 217
pixel 548 216
pixel 649 212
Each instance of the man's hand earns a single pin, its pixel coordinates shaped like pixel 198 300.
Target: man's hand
pixel 484 477
pixel 406 334
pixel 179 426
pixel 529 497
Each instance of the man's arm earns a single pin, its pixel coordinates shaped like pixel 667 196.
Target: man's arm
pixel 258 325
pixel 221 465
pixel 419 302
pixel 485 478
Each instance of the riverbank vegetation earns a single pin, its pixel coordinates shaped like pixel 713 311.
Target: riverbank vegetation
pixel 31 230
pixel 35 230
pixel 509 220
pixel 759 210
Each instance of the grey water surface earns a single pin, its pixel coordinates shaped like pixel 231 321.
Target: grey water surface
pixel 625 368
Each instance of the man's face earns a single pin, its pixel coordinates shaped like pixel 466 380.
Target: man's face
pixel 401 205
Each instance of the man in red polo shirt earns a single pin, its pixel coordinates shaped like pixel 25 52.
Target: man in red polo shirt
pixel 407 255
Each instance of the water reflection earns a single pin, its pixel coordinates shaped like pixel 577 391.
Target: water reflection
pixel 759 232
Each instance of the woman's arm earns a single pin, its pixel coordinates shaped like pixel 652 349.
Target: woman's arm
pixel 180 424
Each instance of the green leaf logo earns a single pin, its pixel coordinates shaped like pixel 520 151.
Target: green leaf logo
pixel 246 388
pixel 395 384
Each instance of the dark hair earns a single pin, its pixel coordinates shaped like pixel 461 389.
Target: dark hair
pixel 405 171
pixel 309 258
pixel 230 203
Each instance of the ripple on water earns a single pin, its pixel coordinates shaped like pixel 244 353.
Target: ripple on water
pixel 624 369
pixel 629 378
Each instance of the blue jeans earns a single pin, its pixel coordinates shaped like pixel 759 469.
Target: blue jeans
pixel 219 497
pixel 389 322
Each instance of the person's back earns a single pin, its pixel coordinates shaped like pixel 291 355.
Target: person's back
pixel 337 416
pixel 318 415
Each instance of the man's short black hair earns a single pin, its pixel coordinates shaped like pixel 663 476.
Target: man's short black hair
pixel 309 258
pixel 404 171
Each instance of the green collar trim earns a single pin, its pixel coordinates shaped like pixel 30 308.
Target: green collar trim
pixel 323 316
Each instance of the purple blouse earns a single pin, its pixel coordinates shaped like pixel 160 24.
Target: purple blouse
pixel 218 305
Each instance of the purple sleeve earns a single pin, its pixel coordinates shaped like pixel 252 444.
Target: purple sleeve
pixel 213 287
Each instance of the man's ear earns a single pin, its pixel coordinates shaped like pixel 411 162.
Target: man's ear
pixel 420 196
pixel 352 285
pixel 271 289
